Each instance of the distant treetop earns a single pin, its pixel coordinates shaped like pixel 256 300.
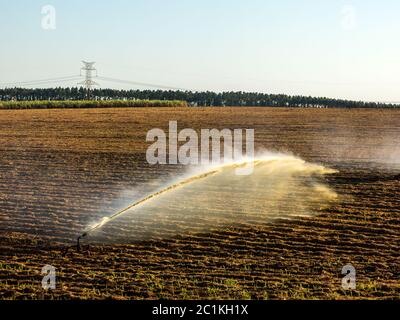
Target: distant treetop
pixel 206 98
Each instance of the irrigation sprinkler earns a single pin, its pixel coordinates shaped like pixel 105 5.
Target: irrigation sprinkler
pixel 143 200
pixel 171 187
pixel 78 245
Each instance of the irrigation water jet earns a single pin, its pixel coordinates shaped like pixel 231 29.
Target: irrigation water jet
pixel 158 193
pixel 277 168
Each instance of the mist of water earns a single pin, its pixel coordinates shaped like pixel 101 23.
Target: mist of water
pixel 212 197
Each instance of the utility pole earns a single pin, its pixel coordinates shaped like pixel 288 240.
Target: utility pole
pixel 88 82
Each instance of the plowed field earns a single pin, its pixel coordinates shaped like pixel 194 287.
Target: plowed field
pixel 62 169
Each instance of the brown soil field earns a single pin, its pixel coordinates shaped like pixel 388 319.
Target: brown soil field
pixel 60 169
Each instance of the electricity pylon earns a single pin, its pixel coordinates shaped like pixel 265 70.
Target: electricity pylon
pixel 88 82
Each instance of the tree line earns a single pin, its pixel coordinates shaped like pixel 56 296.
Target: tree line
pixel 193 98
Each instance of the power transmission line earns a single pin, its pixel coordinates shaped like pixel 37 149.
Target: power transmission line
pixel 143 84
pixel 90 72
pixel 54 83
pixel 41 81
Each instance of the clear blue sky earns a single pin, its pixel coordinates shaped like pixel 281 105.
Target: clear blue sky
pixel 308 47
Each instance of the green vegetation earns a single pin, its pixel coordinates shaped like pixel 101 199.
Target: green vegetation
pixel 79 104
pixel 193 98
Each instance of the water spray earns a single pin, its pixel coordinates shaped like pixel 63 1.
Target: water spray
pixel 143 200
pixel 212 171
